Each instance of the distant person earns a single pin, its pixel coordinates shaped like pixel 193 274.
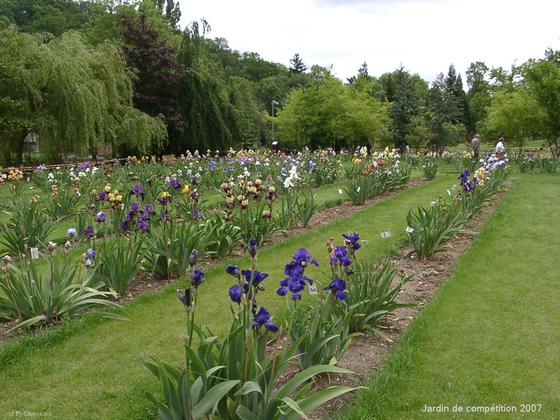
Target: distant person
pixel 500 147
pixel 475 145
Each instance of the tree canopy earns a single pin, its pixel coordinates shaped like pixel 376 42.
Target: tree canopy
pixel 82 74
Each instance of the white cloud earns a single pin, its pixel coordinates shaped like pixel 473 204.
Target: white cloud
pixel 423 35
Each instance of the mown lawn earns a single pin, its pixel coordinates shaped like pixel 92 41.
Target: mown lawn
pixel 91 368
pixel 491 335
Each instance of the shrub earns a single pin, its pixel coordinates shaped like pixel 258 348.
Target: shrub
pixel 359 189
pixel 118 261
pixel 169 247
pixel 222 235
pixel 257 220
pixel 61 203
pixel 430 168
pixel 34 296
pixel 27 228
pixel 430 227
pixel 371 296
pixel 306 206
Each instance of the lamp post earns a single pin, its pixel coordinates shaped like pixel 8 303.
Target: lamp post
pixel 273 103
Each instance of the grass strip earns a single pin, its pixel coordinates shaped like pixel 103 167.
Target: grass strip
pixel 489 338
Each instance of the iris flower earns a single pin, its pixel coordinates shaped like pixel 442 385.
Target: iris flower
pixel 262 319
pixel 337 287
pixel 197 277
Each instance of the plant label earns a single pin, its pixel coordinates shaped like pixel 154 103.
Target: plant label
pixel 312 289
pixel 386 234
pixel 34 253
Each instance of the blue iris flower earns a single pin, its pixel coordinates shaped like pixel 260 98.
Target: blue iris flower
pixel 337 287
pixel 262 318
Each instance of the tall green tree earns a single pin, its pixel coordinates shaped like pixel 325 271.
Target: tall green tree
pixel 516 115
pixel 204 97
pixel 74 97
pixel 543 80
pixel 457 98
pixel 171 10
pixel 328 113
pixel 478 96
pixel 405 92
pixel 297 65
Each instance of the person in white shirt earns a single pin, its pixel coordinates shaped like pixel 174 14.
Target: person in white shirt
pixel 500 147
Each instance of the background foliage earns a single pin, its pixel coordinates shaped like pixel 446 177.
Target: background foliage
pixel 122 77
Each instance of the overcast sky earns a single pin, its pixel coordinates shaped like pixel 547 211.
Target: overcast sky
pixel 423 35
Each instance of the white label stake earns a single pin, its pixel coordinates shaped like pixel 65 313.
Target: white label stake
pixel 34 253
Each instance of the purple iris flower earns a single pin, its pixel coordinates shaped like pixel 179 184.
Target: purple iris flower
pixel 103 196
pixel 88 231
pixel 137 190
pixel 100 217
pixel 90 253
pixel 129 217
pixel 252 247
pixel 184 297
pixel 143 225
pixel 134 207
pixel 262 318
pixel 197 277
pixel 193 257
pixel 302 256
pixel 464 176
pixel 194 195
pixel 149 209
pixel 174 183
pixel 340 256
pixel 124 226
pixel 233 270
pixel 212 165
pixel 337 287
pixel 196 213
pixel 352 239
pixel 165 200
pixel 255 278
pixel 235 293
pixel 296 279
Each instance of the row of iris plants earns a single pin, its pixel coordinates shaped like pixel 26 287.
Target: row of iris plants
pixel 190 188
pixel 368 178
pixel 238 376
pixel 150 223
pixel 430 228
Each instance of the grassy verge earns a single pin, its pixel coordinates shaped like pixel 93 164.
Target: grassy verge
pixel 94 368
pixel 490 336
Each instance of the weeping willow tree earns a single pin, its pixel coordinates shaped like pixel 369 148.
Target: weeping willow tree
pixel 21 75
pixel 210 119
pixel 77 98
pixel 243 98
